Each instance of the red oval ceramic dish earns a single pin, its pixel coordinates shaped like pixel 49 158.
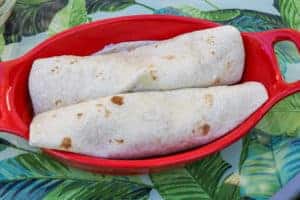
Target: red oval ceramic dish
pixel 261 65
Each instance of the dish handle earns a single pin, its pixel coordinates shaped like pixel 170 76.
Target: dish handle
pixel 9 120
pixel 270 38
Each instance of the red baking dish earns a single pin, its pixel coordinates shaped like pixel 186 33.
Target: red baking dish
pixel 261 65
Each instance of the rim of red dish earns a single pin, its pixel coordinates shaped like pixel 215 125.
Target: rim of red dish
pixel 167 160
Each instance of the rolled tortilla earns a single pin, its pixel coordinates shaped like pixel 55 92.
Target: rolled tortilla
pixel 197 59
pixel 124 46
pixel 144 124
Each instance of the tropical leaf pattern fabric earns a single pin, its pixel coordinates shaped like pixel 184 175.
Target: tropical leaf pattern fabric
pixel 255 167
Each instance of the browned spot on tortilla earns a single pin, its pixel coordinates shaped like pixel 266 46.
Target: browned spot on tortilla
pixel 99 74
pixel 210 40
pixel 158 140
pixel 99 105
pixel 118 100
pixel 119 141
pixel 54 115
pixel 79 115
pixel 228 65
pixel 153 74
pixel 129 49
pixel 169 57
pixel 150 66
pixel 156 45
pixel 55 70
pixel 106 113
pixel 212 52
pixel 58 102
pixel 205 129
pixel 208 98
pixel 201 130
pixel 66 143
pixel 73 61
pixel 217 81
pixel 110 141
pixel 80 101
pixel 110 51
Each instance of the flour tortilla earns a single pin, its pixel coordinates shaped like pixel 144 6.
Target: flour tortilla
pixel 143 124
pixel 124 46
pixel 197 59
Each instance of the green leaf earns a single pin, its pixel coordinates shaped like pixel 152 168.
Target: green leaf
pixel 254 21
pixel 4 144
pixel 72 190
pixel 37 176
pixel 71 15
pixel 290 12
pixel 245 20
pixel 276 4
pixel 26 189
pixel 2 40
pixel 216 15
pixel 258 171
pixel 107 5
pixel 286 53
pixel 170 11
pixel 18 144
pixel 283 118
pixel 30 17
pixel 268 166
pixel 6 7
pixel 229 189
pixel 196 181
pixel 2 43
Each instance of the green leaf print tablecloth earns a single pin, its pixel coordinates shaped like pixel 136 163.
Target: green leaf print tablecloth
pixel 255 167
